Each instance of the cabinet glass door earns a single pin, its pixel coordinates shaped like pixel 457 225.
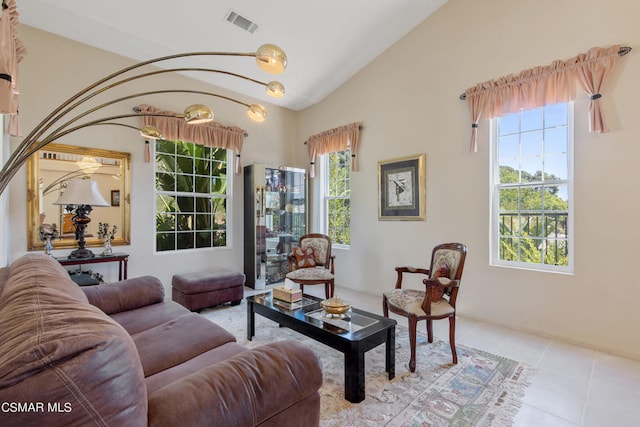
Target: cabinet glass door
pixel 285 218
pixel 275 219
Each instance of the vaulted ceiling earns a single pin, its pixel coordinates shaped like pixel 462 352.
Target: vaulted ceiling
pixel 326 42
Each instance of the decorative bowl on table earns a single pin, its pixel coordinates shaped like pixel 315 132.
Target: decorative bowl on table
pixel 335 306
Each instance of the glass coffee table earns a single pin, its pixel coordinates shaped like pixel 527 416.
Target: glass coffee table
pixel 353 335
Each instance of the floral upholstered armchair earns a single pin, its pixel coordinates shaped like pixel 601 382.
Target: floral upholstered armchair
pixel 311 263
pixel 437 301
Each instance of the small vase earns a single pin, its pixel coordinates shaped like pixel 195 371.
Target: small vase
pixel 48 246
pixel 106 247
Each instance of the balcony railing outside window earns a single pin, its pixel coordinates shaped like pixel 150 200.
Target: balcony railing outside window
pixel 534 237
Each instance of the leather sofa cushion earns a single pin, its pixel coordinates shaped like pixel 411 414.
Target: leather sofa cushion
pixel 54 348
pixel 177 341
pixel 240 383
pixel 141 319
pixel 42 271
pixel 204 360
pixel 126 294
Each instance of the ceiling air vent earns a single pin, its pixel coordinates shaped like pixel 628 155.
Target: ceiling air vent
pixel 236 19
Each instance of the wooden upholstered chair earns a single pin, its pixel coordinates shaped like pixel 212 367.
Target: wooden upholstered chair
pixel 437 301
pixel 311 263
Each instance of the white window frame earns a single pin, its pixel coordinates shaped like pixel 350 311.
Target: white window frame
pixel 494 180
pixel 227 196
pixel 324 199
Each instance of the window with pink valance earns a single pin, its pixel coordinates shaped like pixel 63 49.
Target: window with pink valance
pixel 342 138
pixel 544 85
pixel 210 134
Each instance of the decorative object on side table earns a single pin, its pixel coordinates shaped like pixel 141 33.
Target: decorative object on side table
pixel 401 189
pixel 48 232
pixel 79 196
pixel 107 235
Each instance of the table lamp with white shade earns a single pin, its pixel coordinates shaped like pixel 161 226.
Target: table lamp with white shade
pixel 79 197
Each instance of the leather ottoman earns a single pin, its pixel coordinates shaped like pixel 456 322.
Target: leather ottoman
pixel 196 291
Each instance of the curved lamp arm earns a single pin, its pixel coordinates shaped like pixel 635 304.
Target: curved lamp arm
pixel 274 89
pixel 268 57
pixel 137 95
pixel 30 149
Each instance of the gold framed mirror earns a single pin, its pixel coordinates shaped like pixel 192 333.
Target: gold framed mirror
pixel 48 172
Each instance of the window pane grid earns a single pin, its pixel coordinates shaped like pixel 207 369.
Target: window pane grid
pixel 191 196
pixel 532 186
pixel 337 200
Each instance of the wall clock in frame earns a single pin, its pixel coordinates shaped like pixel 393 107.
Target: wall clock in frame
pixel 402 188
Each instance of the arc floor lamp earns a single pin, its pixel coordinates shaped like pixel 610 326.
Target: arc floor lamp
pixel 68 115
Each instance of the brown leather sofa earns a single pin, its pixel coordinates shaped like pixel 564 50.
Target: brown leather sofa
pixel 119 355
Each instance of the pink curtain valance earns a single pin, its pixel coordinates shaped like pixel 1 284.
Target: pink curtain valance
pixel 11 53
pixel 210 134
pixel 544 85
pixel 336 139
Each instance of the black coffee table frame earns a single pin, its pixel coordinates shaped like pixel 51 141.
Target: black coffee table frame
pixel 352 344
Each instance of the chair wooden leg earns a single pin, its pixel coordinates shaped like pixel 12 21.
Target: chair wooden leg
pixel 332 285
pixel 413 323
pixel 327 290
pixel 452 338
pixel 385 307
pixel 301 288
pixel 430 330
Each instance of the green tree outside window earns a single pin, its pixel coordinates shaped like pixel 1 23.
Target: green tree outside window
pixel 191 196
pixel 338 197
pixel 532 186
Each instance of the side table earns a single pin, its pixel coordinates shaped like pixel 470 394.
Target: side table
pixel 121 258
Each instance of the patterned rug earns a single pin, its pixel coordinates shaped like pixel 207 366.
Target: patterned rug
pixel 481 390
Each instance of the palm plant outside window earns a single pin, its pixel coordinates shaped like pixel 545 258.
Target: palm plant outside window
pixel 191 191
pixel 532 187
pixel 338 193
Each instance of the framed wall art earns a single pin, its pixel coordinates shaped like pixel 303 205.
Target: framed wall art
pixel 115 197
pixel 402 189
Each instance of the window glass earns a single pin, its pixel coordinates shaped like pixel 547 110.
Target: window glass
pixel 191 189
pixel 337 197
pixel 531 215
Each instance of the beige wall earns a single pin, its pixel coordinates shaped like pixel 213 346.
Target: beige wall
pixel 55 68
pixel 408 101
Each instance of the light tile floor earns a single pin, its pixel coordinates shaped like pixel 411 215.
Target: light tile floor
pixel 573 385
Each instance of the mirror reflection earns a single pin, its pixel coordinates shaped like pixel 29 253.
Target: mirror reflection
pixel 50 170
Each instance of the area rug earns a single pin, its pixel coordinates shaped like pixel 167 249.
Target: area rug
pixel 481 390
